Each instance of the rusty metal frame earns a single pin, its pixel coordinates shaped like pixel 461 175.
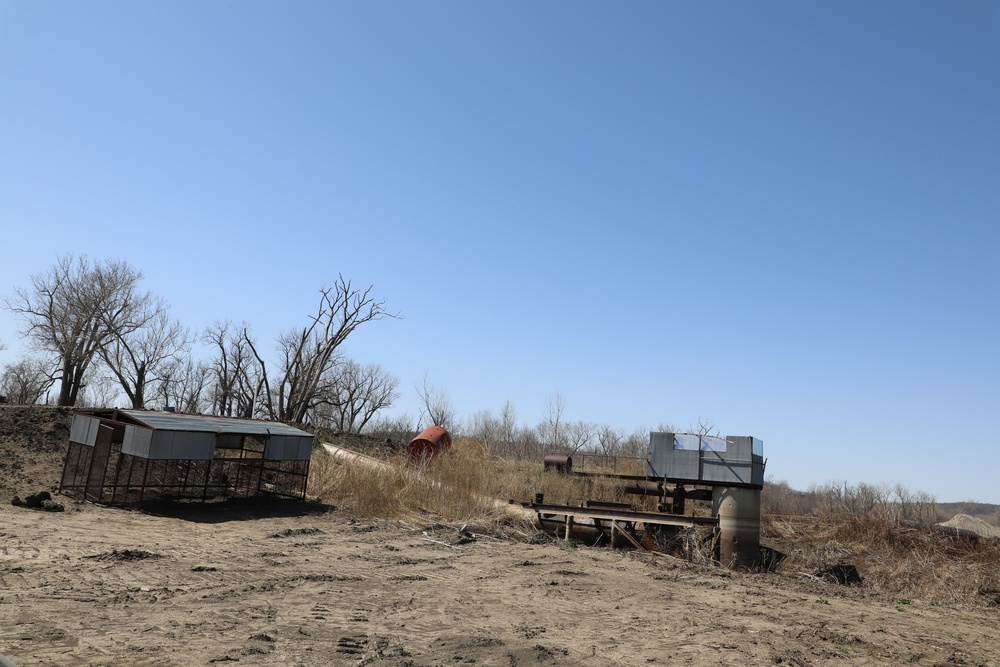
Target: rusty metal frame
pixel 187 479
pixel 611 518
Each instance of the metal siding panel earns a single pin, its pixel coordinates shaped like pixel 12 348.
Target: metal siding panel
pixel 659 445
pixel 289 448
pixel 757 474
pixel 183 446
pixel 305 448
pixel 713 456
pixel 726 471
pixel 740 447
pixel 274 450
pixel 202 447
pixel 161 445
pixel 136 442
pixel 84 430
pixel 683 464
pixel 665 461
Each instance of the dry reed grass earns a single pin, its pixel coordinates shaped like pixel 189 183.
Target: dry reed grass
pixel 462 485
pixel 458 486
pixel 897 560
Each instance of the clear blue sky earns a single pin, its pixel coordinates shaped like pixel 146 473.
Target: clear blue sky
pixel 779 216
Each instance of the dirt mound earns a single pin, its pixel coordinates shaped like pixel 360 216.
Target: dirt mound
pixel 33 442
pixel 964 522
pixel 37 428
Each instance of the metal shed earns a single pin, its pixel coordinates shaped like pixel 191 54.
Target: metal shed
pixel 128 457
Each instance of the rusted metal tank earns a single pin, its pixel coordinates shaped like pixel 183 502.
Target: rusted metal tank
pixel 432 441
pixel 559 463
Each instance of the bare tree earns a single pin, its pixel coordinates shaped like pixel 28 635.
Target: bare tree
pixel 636 443
pixel 237 384
pixel 398 429
pixel 705 427
pixel 508 423
pixel 74 309
pixel 609 440
pixel 182 385
pixel 552 429
pixel 499 433
pixel 924 507
pixel 138 358
pixel 436 406
pixel 579 435
pixel 485 429
pixel 353 394
pixel 778 498
pixel 101 391
pixel 309 353
pixel 863 498
pixel 25 381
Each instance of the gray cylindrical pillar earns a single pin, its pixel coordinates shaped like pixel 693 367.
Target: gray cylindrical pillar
pixel 738 510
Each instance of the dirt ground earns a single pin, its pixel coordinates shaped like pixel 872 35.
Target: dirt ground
pixel 308 585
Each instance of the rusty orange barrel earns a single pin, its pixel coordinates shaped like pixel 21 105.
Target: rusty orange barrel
pixel 559 463
pixel 432 441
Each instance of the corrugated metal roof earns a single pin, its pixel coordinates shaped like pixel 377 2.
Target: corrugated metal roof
pixel 171 421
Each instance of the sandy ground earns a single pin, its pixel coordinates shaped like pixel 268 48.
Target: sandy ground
pixel 307 585
pixel 100 586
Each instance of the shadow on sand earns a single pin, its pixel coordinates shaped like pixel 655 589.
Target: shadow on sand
pixel 235 509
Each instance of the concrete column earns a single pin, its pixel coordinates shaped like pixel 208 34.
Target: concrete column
pixel 738 510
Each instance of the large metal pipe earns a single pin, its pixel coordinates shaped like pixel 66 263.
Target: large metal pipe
pixel 738 510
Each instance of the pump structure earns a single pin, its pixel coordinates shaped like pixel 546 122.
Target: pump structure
pixel 726 471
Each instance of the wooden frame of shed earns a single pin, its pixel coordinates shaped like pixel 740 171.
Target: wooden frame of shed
pixel 132 457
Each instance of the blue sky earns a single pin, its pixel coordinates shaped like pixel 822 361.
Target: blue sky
pixel 777 216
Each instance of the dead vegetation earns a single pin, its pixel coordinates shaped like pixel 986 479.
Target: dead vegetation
pixel 462 485
pixel 896 560
pixel 898 552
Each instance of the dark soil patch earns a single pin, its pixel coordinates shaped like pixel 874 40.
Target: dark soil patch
pixel 125 555
pixel 295 532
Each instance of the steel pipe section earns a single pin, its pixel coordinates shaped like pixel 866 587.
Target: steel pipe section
pixel 738 510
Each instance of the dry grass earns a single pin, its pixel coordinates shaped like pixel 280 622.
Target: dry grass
pixel 455 487
pixel 899 561
pixel 462 485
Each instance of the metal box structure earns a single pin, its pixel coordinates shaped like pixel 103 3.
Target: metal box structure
pixel 127 457
pixel 734 460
